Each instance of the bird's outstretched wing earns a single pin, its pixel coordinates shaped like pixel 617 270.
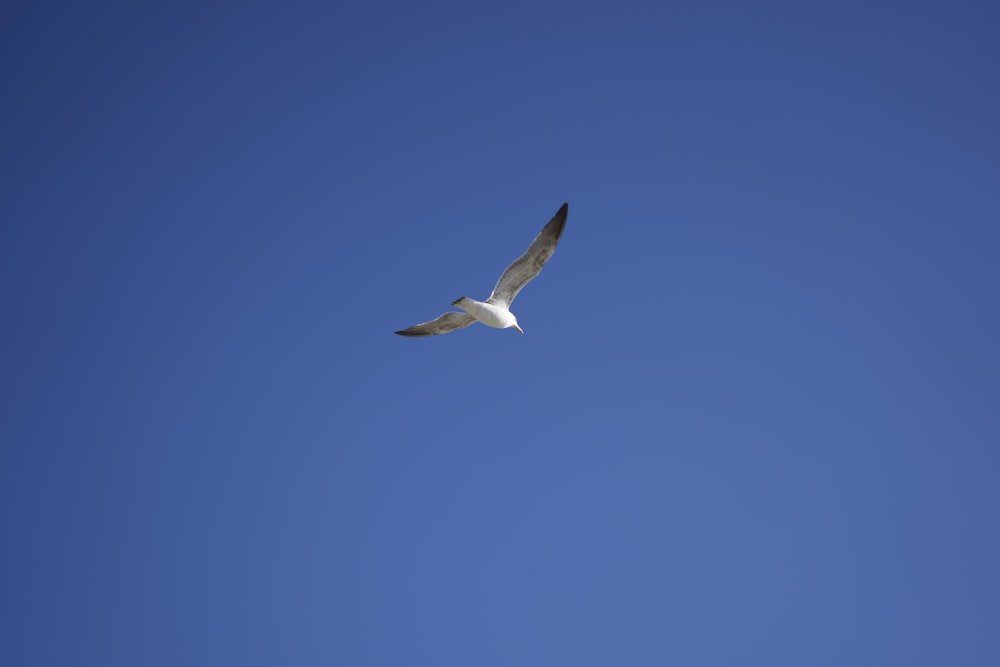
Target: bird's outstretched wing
pixel 528 265
pixel 447 323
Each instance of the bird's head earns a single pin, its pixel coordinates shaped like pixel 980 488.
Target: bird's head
pixel 517 326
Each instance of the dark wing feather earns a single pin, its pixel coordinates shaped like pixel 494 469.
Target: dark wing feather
pixel 528 265
pixel 447 323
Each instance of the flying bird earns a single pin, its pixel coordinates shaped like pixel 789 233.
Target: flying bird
pixel 495 311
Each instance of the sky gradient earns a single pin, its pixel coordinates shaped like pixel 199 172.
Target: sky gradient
pixel 753 420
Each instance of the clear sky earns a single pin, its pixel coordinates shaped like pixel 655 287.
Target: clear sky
pixel 754 418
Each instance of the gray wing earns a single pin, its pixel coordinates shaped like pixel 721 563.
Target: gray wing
pixel 528 265
pixel 447 323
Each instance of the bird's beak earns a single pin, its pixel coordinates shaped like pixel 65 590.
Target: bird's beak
pixel 519 328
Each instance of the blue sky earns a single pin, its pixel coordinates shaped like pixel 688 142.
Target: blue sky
pixel 753 419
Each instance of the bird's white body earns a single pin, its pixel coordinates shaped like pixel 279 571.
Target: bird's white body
pixel 490 315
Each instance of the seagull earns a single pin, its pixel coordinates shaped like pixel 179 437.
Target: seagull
pixel 495 311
